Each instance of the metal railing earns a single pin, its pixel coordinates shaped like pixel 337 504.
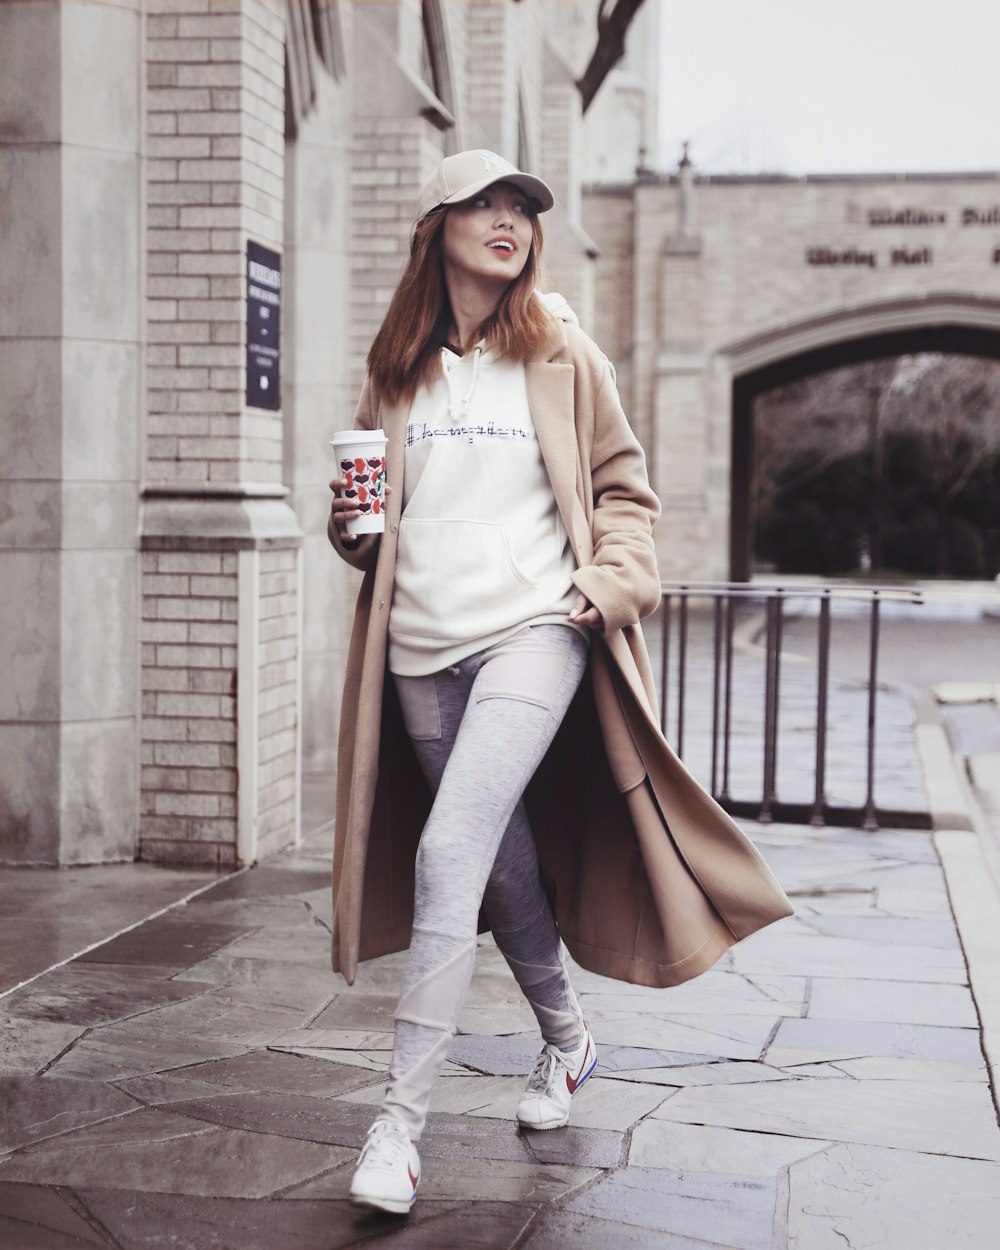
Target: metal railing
pixel 711 629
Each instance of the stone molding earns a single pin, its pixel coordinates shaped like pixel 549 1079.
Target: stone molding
pixel 838 325
pixel 215 522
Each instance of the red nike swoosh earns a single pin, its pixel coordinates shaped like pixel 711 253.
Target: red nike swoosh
pixel 414 1180
pixel 573 1082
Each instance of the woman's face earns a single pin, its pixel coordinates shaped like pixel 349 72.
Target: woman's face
pixel 489 236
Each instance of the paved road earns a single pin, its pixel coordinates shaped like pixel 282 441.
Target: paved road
pixel 918 648
pixel 203 1083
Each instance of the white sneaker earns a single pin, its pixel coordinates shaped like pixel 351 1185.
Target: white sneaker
pixel 388 1170
pixel 555 1078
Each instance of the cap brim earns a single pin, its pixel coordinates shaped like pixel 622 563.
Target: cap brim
pixel 532 187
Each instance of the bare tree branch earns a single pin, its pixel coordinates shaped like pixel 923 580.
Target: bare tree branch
pixel 610 48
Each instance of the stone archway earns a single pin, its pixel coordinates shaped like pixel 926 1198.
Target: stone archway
pixel 704 283
pixel 939 322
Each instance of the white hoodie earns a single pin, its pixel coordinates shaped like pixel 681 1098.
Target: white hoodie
pixel 482 550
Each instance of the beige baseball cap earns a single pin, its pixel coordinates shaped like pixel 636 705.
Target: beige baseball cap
pixel 463 175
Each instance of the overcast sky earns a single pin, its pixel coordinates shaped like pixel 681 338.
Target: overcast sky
pixel 831 86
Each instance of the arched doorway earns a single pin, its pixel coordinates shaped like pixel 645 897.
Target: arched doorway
pixel 944 323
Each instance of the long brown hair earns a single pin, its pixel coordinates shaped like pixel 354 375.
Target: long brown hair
pixel 404 353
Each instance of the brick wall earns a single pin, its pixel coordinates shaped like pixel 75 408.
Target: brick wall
pixel 491 81
pixel 528 35
pixel 277 699
pixel 189 637
pixel 498 50
pixel 608 219
pixel 392 158
pixel 567 266
pixel 221 620
pixel 215 177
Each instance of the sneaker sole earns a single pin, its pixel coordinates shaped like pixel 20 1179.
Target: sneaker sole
pixel 392 1206
pixel 540 1128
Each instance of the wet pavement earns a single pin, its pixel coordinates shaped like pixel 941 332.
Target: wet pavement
pixel 48 915
pixel 203 1081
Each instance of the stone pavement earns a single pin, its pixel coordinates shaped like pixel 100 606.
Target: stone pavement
pixel 203 1081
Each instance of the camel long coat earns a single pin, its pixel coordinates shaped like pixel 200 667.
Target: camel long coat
pixel 650 879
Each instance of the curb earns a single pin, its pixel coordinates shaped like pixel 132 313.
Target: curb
pixel 947 797
pixel 975 902
pixel 972 876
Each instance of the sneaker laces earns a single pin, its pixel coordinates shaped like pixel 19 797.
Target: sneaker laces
pixel 543 1074
pixel 386 1147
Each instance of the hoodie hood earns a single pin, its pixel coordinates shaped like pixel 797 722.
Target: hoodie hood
pixel 557 306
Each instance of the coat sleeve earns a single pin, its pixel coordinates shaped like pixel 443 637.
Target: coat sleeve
pixel 363 555
pixel 622 581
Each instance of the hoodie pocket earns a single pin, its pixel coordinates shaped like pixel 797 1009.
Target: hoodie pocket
pixel 456 580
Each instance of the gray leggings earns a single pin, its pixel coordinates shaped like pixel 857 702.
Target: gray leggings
pixel 480 729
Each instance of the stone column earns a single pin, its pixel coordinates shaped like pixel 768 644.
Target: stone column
pixel 681 434
pixel 569 253
pixel 70 204
pixel 221 627
pixel 398 128
pixel 492 50
pixel 317 395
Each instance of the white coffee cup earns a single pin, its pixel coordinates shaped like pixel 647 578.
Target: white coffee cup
pixel 361 462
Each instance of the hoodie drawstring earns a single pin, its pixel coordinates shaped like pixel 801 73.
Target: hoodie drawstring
pixel 458 408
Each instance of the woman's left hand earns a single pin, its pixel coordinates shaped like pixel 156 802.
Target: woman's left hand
pixel 583 612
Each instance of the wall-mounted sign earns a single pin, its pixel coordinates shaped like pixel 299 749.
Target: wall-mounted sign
pixel 981 216
pixel 911 256
pixel 906 217
pixel 263 327
pixel 840 256
pixel 985 215
pixel 870 258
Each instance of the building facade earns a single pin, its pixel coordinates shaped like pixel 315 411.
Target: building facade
pixel 713 289
pixel 205 208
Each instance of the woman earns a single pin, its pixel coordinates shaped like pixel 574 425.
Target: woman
pixel 517 556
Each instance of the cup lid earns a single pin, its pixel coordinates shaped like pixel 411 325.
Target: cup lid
pixel 349 438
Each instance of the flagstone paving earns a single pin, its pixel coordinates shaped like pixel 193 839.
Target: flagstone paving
pixel 203 1082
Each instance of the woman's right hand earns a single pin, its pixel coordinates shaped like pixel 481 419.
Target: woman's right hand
pixel 343 510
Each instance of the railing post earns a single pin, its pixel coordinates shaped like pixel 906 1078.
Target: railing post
pixel 682 670
pixel 664 664
pixel 767 782
pixel 716 674
pixel 870 820
pixel 728 714
pixel 822 692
